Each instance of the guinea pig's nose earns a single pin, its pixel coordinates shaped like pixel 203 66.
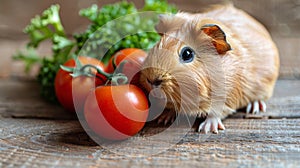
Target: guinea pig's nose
pixel 156 82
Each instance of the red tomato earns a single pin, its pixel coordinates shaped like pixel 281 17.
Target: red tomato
pixel 116 112
pixel 135 58
pixel 72 99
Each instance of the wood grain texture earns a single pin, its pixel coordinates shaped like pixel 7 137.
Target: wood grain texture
pixel 285 102
pixel 281 17
pixel 245 143
pixel 289 56
pixel 34 133
pixel 21 99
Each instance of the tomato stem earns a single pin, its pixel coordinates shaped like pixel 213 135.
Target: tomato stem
pixel 114 63
pixel 66 68
pixel 115 78
pixel 118 79
pixel 120 67
pixel 107 75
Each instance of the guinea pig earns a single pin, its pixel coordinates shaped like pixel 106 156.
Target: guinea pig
pixel 211 64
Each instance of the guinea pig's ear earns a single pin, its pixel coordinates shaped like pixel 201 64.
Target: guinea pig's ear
pixel 168 22
pixel 218 37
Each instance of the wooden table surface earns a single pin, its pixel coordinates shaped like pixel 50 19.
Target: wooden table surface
pixel 34 133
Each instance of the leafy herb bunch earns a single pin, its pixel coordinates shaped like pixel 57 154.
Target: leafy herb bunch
pixel 91 42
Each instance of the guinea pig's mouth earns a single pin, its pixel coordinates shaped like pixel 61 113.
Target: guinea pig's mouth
pixel 158 93
pixel 159 96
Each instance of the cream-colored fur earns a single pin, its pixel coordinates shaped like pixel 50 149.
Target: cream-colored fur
pixel 213 84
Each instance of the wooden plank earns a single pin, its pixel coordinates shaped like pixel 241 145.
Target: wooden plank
pixel 280 17
pixel 21 99
pixel 245 143
pixel 285 102
pixel 287 46
pixel 289 55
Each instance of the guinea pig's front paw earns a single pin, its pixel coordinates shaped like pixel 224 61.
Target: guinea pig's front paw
pixel 256 107
pixel 166 117
pixel 211 124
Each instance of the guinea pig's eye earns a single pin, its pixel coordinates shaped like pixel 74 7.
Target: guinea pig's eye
pixel 186 55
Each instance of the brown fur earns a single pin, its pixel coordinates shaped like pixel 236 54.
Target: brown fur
pixel 213 83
